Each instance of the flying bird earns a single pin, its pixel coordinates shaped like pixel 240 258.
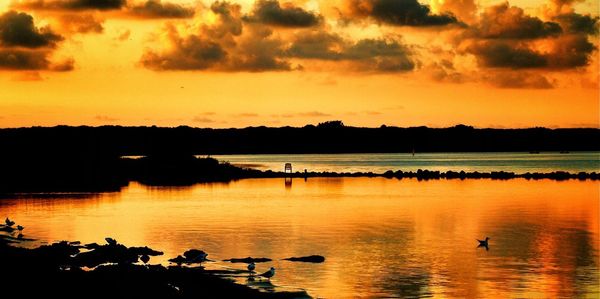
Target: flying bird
pixel 269 273
pixel 251 267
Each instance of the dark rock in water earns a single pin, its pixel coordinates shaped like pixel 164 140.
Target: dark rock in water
pixel 248 260
pixel 145 251
pixel 178 260
pixel 195 255
pixel 307 259
pixel 192 256
pixel 113 252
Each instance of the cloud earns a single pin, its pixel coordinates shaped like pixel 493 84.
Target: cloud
pixel 570 51
pixel 123 36
pixel 518 80
pixel 154 9
pixel 381 54
pixel 504 21
pixel 105 118
pixel 18 30
pixel 80 23
pixel 193 52
pixel 577 23
pixel 313 114
pixel 28 76
pixel 270 12
pixel 394 12
pixel 464 10
pixel 19 59
pixel 220 46
pixel 200 119
pixel 504 55
pixel 70 4
pixel 247 115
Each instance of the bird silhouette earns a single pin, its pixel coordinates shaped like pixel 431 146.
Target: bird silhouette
pixel 111 241
pixel 9 222
pixel 269 273
pixel 20 228
pixel 251 267
pixel 484 243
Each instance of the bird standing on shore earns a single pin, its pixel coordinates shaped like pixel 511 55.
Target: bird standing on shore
pixel 9 222
pixel 269 273
pixel 20 228
pixel 251 267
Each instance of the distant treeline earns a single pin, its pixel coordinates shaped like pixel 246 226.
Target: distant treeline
pixel 89 158
pixel 328 137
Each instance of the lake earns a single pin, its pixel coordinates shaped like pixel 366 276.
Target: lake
pixel 381 237
pixel 379 163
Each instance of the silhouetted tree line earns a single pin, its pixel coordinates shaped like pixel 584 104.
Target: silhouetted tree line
pixel 88 158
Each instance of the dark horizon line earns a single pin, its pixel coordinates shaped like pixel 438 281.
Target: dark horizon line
pixel 301 127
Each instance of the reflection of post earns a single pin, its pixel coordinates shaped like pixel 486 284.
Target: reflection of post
pixel 288 182
pixel 288 168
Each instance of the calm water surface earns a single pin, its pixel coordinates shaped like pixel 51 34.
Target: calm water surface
pixel 379 163
pixel 381 237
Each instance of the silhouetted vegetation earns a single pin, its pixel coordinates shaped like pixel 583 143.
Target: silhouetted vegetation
pixel 89 158
pixel 327 137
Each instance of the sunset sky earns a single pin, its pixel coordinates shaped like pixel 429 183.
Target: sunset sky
pixel 266 62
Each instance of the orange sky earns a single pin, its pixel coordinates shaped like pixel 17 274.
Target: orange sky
pixel 366 62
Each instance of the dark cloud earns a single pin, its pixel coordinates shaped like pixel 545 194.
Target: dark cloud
pixel 577 23
pixel 385 55
pixel 568 51
pixel 156 9
pixel 70 4
pixel 258 51
pixel 505 55
pixel 272 13
pixel 31 60
pixel 18 30
pixel 229 20
pixel 504 21
pixel 317 45
pixel 395 12
pixel 571 51
pixel 80 23
pixel 193 52
pixel 13 59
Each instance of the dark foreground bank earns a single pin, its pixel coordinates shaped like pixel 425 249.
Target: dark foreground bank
pixel 56 271
pixel 78 173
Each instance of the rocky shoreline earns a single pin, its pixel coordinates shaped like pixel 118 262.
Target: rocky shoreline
pixel 72 270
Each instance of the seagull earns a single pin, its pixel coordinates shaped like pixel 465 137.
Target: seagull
pixel 9 222
pixel 145 258
pixel 20 228
pixel 483 243
pixel 251 267
pixel 269 273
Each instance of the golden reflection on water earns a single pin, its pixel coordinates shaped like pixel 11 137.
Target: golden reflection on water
pixel 381 237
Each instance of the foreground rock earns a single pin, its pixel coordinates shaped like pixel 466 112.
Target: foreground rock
pixel 54 271
pixel 249 260
pixel 307 259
